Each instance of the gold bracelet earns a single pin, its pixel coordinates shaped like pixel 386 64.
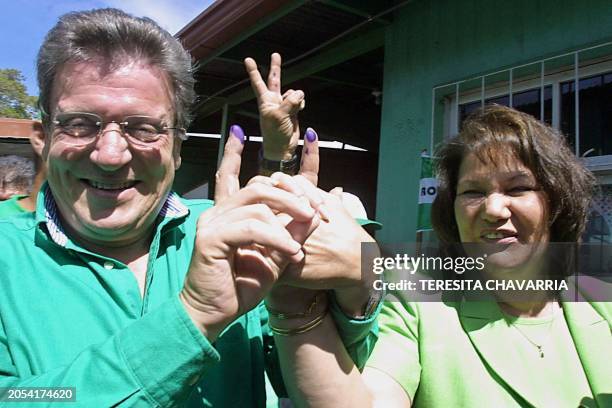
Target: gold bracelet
pixel 298 315
pixel 301 329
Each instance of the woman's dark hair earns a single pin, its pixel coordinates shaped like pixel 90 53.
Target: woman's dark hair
pixel 495 133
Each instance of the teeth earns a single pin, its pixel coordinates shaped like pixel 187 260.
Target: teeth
pixel 105 186
pixel 494 235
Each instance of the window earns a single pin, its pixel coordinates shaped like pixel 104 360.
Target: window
pixel 544 89
pixel 595 118
pixel 526 101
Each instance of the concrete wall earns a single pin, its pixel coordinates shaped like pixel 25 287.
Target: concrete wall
pixel 432 42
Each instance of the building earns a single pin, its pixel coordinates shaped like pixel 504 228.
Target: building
pixel 15 137
pixel 397 77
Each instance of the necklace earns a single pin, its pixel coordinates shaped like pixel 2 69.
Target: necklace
pixel 539 347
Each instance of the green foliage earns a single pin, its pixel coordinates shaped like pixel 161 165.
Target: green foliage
pixel 14 99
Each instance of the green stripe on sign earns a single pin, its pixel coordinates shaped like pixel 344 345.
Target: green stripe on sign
pixel 428 188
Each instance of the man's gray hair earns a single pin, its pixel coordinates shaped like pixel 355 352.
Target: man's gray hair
pixel 16 172
pixel 111 35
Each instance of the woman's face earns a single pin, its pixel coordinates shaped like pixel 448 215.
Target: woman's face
pixel 502 206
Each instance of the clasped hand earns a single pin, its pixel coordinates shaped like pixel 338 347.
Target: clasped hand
pixel 241 249
pixel 280 237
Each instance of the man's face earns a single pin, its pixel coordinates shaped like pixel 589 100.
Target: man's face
pixel 110 191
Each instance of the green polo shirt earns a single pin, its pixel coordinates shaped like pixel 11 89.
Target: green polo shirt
pixel 72 318
pixel 10 207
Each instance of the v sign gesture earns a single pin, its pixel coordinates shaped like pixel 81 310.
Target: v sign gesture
pixel 277 112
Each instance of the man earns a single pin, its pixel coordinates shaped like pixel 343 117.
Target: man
pixel 117 287
pixel 16 174
pixel 21 203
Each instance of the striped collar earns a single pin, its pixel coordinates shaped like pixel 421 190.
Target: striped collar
pixel 172 208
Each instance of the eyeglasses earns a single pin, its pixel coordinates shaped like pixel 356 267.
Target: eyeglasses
pixel 82 128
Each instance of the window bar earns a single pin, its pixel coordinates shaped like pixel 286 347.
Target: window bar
pixel 556 108
pixel 510 87
pixel 542 91
pixel 576 107
pixel 456 107
pixel 482 92
pixel 433 120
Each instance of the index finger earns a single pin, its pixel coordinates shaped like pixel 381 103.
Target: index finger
pixel 257 82
pixel 274 76
pixel 309 167
pixel 227 180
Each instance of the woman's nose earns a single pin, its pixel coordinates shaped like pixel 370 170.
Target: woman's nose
pixel 496 207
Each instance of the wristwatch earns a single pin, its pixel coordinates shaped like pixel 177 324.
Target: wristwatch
pixel 267 167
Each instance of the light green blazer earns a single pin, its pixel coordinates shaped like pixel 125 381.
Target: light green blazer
pixel 453 354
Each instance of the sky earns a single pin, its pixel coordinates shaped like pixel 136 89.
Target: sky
pixel 24 23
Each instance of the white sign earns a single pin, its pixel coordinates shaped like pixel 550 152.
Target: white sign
pixel 427 190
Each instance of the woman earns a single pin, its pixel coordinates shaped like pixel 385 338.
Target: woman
pixel 512 183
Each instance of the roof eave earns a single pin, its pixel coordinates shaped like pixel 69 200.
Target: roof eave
pixel 222 22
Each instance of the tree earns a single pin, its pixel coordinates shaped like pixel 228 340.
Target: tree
pixel 14 99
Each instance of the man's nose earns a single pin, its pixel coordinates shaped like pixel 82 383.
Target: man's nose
pixel 496 207
pixel 112 149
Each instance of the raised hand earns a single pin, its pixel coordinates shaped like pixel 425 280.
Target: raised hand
pixel 241 249
pixel 227 177
pixel 242 245
pixel 277 112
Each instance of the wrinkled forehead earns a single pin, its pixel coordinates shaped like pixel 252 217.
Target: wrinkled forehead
pixel 122 73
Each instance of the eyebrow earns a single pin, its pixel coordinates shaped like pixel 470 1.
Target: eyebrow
pixel 509 176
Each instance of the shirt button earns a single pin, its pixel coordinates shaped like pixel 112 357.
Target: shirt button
pixel 108 265
pixel 194 379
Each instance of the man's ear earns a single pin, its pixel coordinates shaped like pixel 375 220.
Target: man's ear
pixel 38 138
pixel 176 153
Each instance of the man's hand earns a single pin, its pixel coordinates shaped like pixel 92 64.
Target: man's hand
pixel 277 112
pixel 333 251
pixel 241 245
pixel 241 249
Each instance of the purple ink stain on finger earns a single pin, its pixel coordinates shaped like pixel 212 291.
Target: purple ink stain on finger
pixel 311 136
pixel 238 132
pixel 306 151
